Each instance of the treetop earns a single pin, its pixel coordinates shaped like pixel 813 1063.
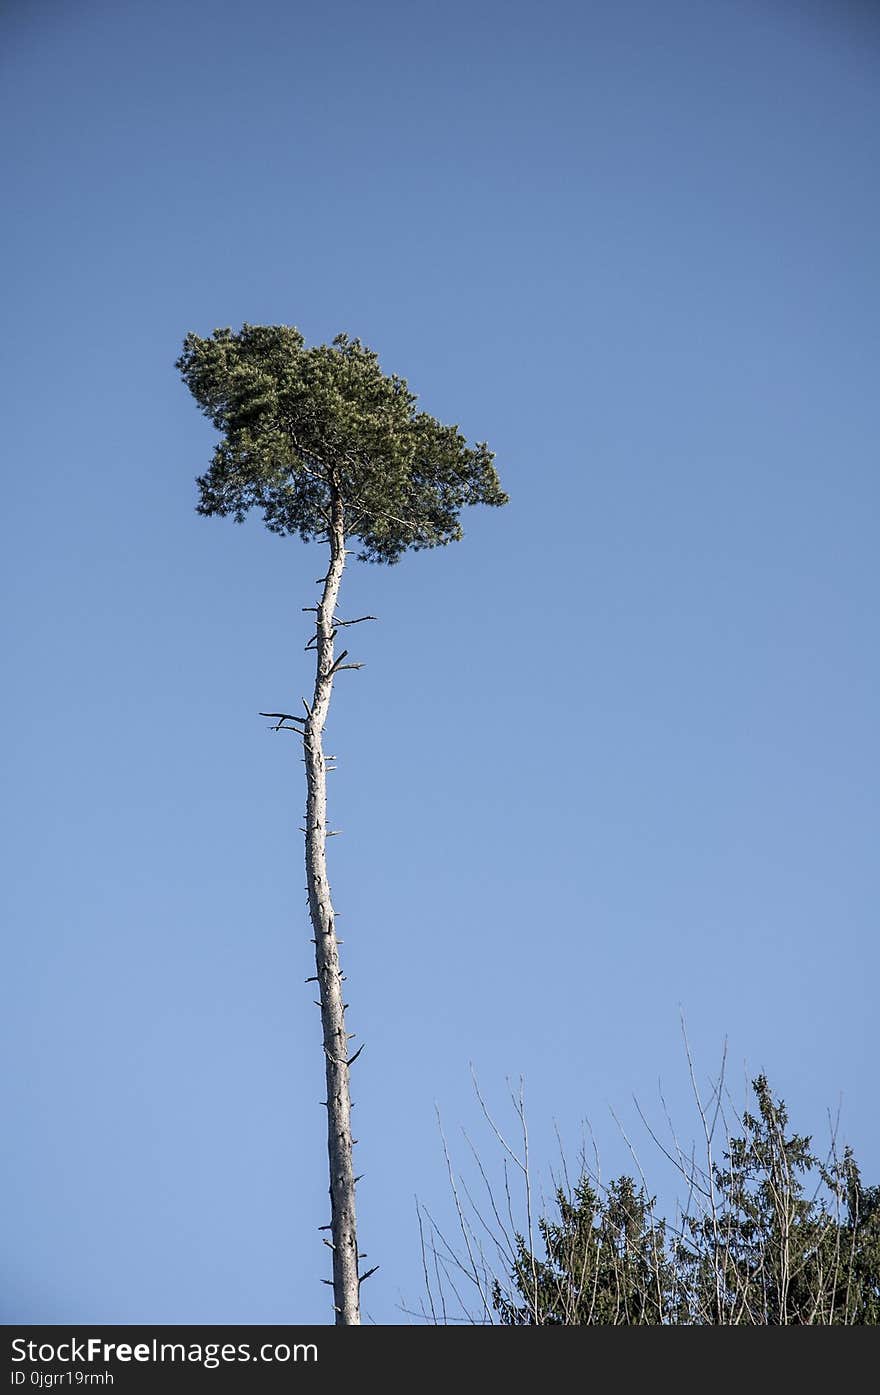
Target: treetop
pixel 306 428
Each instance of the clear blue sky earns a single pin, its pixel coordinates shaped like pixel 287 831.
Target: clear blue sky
pixel 612 757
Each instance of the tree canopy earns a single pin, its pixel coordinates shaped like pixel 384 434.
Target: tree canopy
pixel 770 1236
pixel 304 428
pixel 605 1262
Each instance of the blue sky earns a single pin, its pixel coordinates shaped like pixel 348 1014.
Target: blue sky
pixel 612 758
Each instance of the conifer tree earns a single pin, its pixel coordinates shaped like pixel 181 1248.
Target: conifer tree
pixel 330 449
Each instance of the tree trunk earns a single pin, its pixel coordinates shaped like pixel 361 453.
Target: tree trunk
pixel 346 1285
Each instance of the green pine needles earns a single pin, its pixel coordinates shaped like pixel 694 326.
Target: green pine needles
pixel 770 1235
pixel 302 426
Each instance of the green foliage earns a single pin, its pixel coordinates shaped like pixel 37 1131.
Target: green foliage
pixel 771 1236
pixel 605 1263
pixel 785 1239
pixel 306 428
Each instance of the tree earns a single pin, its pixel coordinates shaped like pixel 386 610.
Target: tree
pixel 604 1262
pixel 756 1245
pixel 769 1234
pixel 773 1250
pixel 332 449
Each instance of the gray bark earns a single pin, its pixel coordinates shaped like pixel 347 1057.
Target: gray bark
pixel 346 1285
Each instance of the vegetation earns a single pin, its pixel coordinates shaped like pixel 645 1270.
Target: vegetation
pixel 329 448
pixel 770 1234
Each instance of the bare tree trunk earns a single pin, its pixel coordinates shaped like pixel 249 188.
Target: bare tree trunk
pixel 346 1284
